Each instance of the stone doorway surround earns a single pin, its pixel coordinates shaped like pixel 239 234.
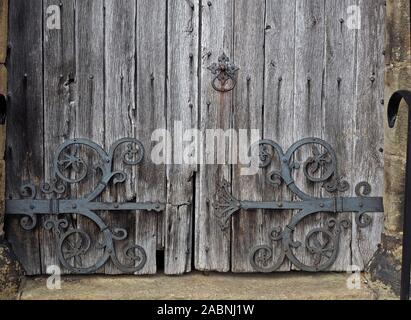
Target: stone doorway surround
pixel 386 263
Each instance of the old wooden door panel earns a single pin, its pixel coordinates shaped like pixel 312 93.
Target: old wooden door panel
pixel 309 69
pixel 248 104
pixel 118 68
pixel 212 246
pixel 119 103
pixel 151 44
pixel 89 91
pixel 339 94
pixel 313 81
pixel 182 114
pixel 279 69
pixel 89 95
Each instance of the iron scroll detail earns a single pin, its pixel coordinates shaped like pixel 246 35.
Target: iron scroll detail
pixel 70 168
pixel 322 243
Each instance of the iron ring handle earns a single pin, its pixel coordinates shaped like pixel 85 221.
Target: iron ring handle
pixel 392 113
pixel 222 87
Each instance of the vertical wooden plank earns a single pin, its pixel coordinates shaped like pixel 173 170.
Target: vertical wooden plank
pixel 182 114
pixel 248 111
pixel 149 115
pixel 338 102
pixel 309 71
pixel 25 119
pixel 120 17
pixel 212 245
pixel 368 136
pixel 59 105
pixel 278 104
pixel 90 97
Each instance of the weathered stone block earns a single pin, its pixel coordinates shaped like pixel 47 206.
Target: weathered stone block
pixel 386 263
pixel 10 273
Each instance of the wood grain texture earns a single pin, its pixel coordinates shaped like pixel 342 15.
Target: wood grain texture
pixel 369 119
pixel 119 77
pixel 212 245
pixel 278 104
pixel 59 107
pixel 25 121
pixel 308 89
pixel 149 115
pixel 3 89
pixel 182 113
pixel 3 191
pixel 338 102
pixel 90 97
pixel 248 105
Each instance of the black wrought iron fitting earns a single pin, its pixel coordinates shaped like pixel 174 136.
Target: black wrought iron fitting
pixel 393 107
pixel 70 168
pixel 225 74
pixel 323 242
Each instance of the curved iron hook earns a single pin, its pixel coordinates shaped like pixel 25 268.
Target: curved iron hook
pixel 394 104
pixel 392 112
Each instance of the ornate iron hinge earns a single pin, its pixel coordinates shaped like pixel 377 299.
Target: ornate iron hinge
pixel 323 242
pixel 70 168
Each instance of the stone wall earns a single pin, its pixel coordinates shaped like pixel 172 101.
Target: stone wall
pixel 3 92
pixel 386 265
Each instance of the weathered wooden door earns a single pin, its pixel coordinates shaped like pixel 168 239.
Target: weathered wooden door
pixel 115 69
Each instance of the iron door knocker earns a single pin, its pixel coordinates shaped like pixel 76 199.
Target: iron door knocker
pixel 224 71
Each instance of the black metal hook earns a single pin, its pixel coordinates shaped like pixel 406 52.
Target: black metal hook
pixel 392 111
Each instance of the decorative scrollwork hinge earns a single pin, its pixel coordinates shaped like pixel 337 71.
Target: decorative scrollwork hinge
pixel 225 73
pixel 323 242
pixel 71 168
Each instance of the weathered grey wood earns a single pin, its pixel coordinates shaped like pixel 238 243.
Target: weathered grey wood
pixel 309 70
pixel 126 68
pixel 90 98
pixel 182 105
pixel 338 101
pixel 149 115
pixel 278 103
pixel 248 112
pixel 119 59
pixel 369 120
pixel 212 245
pixel 59 107
pixel 25 120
